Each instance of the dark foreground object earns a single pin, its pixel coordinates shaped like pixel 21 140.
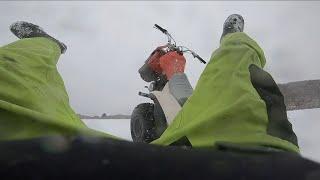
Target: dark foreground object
pixel 95 158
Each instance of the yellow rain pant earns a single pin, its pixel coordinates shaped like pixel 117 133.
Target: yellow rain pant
pixel 33 99
pixel 235 101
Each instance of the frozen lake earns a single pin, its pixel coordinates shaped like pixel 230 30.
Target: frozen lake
pixel 116 127
pixel 306 124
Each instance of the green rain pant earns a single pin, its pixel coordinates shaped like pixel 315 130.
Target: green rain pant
pixel 33 99
pixel 235 102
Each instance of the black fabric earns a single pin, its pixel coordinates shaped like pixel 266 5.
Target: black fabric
pixel 278 125
pixel 244 148
pixel 96 158
pixel 184 141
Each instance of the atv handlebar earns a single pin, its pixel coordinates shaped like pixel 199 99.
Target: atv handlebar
pixel 161 29
pixel 177 48
pixel 195 55
pixel 201 60
pixel 164 31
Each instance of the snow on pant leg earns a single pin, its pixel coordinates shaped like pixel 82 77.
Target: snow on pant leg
pixel 33 99
pixel 225 106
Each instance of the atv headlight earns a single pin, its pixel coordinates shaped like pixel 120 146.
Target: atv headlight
pixel 151 86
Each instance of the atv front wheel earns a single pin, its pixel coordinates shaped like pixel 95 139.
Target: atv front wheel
pixel 142 123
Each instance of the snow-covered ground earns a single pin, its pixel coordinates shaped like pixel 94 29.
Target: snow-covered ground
pixel 304 123
pixel 116 127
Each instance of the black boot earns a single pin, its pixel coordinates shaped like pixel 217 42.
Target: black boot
pixel 234 23
pixel 28 30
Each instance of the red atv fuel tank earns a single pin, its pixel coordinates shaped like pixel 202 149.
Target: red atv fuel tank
pixel 167 63
pixel 172 63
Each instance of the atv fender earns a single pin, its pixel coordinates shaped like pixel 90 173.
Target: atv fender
pixel 168 103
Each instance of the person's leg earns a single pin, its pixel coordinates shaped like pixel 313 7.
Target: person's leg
pixel 235 101
pixel 33 99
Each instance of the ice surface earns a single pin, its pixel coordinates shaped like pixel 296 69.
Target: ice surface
pixel 116 127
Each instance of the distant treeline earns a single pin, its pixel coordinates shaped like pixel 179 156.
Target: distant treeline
pixel 105 116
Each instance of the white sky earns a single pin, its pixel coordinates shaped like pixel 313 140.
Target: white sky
pixel 109 41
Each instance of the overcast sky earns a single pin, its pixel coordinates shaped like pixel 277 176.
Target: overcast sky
pixel 109 41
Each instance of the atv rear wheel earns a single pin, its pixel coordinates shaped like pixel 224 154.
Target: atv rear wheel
pixel 142 123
